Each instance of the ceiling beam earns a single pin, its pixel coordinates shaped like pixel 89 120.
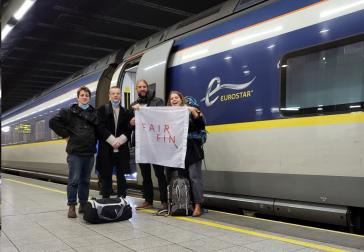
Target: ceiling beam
pixel 106 19
pixel 48 62
pixel 97 34
pixel 5 66
pixel 91 47
pixel 56 54
pixel 161 8
pixel 34 75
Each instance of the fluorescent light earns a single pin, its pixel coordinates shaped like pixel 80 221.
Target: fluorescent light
pixel 271 46
pixel 355 106
pixel 155 65
pixel 331 12
pixel 193 67
pixel 227 58
pixel 6 30
pixel 324 30
pixel 255 35
pixel 320 108
pixel 284 66
pixel 291 109
pixel 194 54
pixel 23 9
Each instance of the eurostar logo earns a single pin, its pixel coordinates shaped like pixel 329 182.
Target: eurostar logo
pixel 210 97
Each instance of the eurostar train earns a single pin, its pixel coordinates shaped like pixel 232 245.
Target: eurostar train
pixel 281 84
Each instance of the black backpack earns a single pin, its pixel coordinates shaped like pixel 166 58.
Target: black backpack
pixel 179 199
pixel 107 210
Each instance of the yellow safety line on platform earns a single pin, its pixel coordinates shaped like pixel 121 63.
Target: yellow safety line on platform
pixel 36 186
pixel 255 233
pixel 288 224
pixel 214 224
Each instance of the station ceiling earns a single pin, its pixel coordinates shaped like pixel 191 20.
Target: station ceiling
pixel 59 37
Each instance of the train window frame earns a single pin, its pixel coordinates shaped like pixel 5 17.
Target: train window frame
pixel 317 110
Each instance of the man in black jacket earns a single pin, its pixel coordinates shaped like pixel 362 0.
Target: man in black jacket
pixel 113 147
pixel 145 100
pixel 77 125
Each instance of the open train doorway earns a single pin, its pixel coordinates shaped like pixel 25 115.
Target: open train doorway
pixel 128 86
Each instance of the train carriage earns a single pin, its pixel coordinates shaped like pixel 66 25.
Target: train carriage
pixel 281 84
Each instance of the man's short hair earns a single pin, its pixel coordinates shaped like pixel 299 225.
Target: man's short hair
pixel 83 88
pixel 114 87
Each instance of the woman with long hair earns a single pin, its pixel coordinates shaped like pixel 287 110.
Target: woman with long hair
pixel 194 154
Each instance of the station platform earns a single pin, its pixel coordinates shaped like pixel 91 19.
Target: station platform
pixel 34 218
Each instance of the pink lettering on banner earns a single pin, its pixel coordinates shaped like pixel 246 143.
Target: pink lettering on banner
pixel 166 137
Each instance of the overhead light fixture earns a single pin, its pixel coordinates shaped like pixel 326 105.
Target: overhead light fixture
pixel 23 9
pixel 291 109
pixel 355 106
pixel 255 35
pixel 6 30
pixel 343 8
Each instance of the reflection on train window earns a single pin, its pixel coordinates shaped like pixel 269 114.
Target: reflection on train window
pixel 24 132
pixel 324 81
pixel 40 130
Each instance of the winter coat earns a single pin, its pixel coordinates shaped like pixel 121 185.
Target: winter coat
pixel 79 126
pixel 107 128
pixel 194 151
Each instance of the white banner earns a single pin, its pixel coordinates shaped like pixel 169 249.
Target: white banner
pixel 161 135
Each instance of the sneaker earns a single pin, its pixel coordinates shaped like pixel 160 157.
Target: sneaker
pixel 145 205
pixel 72 211
pixel 81 209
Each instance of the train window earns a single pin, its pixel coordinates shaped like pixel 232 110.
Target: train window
pixel 324 79
pixel 40 130
pixel 24 132
pixel 14 134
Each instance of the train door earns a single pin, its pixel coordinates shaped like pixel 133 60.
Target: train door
pixel 102 91
pixel 151 67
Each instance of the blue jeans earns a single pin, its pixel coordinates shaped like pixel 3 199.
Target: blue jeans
pixel 80 168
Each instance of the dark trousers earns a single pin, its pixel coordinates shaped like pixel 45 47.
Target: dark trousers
pixel 80 168
pixel 148 184
pixel 106 178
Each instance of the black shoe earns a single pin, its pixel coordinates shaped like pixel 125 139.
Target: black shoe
pixel 81 209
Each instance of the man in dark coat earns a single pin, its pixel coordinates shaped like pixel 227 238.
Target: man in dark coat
pixel 149 100
pixel 113 145
pixel 78 126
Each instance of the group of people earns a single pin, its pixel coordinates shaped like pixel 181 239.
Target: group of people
pixel 111 124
